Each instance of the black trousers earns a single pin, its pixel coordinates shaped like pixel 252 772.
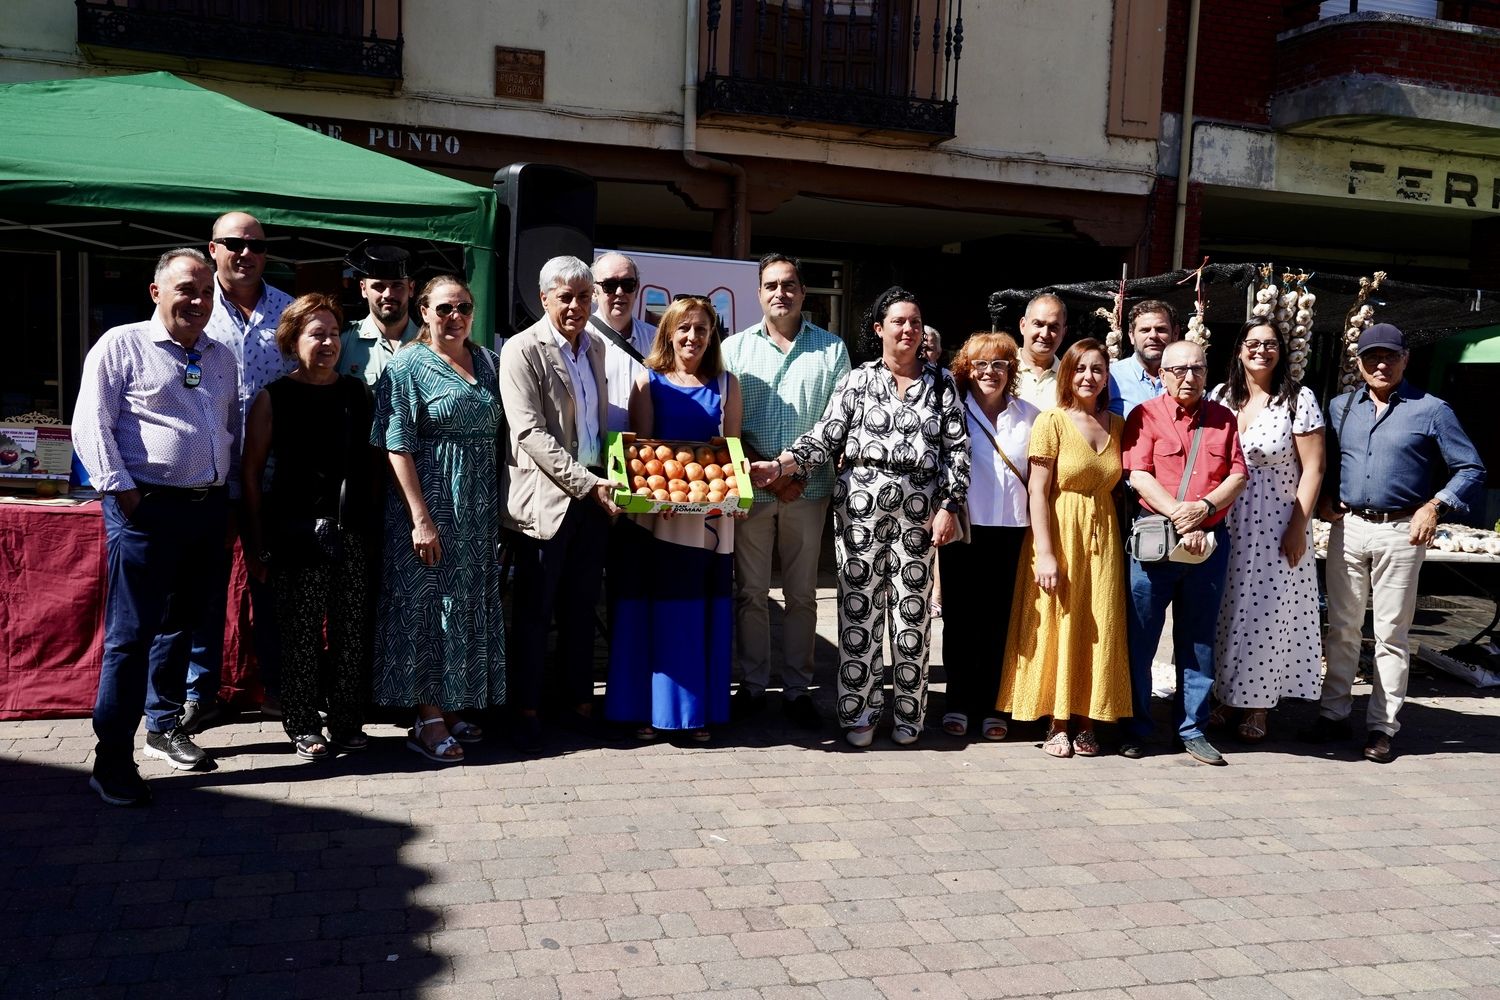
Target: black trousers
pixel 979 583
pixel 557 580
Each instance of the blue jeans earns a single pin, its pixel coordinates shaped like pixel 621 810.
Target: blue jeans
pixel 1194 593
pixel 161 570
pixel 205 670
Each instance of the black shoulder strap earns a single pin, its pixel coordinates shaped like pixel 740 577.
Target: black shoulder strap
pixel 613 336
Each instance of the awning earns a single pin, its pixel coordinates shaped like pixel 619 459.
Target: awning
pixel 136 149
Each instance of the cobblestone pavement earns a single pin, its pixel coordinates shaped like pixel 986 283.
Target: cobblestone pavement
pixel 771 864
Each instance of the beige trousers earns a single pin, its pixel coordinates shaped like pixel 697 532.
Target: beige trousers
pixel 795 531
pixel 1370 564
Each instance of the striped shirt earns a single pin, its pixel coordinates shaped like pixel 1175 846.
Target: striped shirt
pixel 137 424
pixel 784 395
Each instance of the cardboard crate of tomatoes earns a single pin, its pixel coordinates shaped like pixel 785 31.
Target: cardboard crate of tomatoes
pixel 688 477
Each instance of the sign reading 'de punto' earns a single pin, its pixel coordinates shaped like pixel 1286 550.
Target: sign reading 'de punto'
pixel 520 73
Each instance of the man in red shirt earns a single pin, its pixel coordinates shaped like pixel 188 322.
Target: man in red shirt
pixel 1158 441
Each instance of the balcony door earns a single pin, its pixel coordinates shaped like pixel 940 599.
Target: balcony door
pixel 846 45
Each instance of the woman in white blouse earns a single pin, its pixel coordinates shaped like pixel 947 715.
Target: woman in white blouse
pixel 979 578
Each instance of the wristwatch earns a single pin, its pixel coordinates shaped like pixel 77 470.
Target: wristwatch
pixel 1439 507
pixel 951 506
pixel 1212 510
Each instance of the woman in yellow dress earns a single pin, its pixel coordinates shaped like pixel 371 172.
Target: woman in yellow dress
pixel 1067 626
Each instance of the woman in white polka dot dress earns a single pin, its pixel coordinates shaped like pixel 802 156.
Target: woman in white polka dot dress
pixel 1268 645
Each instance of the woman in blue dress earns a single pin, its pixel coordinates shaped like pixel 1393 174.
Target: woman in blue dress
pixel 672 645
pixel 440 639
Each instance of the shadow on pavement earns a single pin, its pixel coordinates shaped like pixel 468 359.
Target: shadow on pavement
pixel 208 893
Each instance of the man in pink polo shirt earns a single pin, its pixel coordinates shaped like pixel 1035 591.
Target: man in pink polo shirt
pixel 1157 443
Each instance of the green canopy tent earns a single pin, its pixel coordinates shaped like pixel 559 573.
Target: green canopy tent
pixel 1481 346
pixel 154 157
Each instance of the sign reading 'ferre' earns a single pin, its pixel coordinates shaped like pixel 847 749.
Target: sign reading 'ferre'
pixel 520 73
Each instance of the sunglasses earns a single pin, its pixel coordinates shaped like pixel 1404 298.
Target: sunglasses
pixel 235 244
pixel 446 309
pixel 613 285
pixel 192 375
pixel 688 297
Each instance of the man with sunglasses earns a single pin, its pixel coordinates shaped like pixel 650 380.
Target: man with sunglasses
pixel 157 427
pixel 1180 444
pixel 617 282
pixel 368 344
pixel 1399 462
pixel 787 368
pixel 246 311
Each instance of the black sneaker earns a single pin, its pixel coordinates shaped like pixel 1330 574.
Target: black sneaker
pixel 118 782
pixel 1203 751
pixel 745 705
pixel 1326 730
pixel 802 713
pixel 176 748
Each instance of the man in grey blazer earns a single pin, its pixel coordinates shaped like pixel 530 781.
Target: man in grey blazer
pixel 557 497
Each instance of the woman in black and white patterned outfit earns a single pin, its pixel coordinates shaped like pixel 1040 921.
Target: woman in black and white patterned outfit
pixel 897 426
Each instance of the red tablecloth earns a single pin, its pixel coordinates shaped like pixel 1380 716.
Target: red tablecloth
pixel 52 579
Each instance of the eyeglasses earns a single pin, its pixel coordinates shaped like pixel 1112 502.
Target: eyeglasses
pixel 446 309
pixel 192 375
pixel 1269 346
pixel 998 366
pixel 613 285
pixel 234 244
pixel 1183 371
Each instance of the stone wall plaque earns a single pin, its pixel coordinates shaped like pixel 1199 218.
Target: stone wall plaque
pixel 520 73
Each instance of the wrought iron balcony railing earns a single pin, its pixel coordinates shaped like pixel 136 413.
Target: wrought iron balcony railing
pixel 345 37
pixel 880 66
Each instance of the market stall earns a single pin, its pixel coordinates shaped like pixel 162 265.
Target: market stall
pixel 122 168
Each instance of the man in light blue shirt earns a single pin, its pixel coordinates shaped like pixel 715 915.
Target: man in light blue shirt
pixel 1152 325
pixel 787 369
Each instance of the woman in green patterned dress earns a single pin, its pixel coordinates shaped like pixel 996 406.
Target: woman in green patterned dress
pixel 440 641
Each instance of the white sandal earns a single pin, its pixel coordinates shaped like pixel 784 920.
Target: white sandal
pixel 440 754
pixel 904 735
pixel 956 724
pixel 861 736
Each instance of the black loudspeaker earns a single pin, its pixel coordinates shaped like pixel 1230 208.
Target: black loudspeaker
pixel 545 212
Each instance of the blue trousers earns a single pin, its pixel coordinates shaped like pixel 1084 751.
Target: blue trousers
pixel 1194 592
pixel 161 571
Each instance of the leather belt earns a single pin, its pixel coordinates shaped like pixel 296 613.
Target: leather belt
pixel 1381 516
pixel 190 493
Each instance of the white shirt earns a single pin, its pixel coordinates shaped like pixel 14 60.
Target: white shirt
pixel 586 400
pixel 137 423
pixel 1038 390
pixel 996 497
pixel 621 370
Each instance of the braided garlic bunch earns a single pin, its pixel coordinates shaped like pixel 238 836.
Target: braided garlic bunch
pixel 1197 330
pixel 1361 314
pixel 1296 309
pixel 1112 339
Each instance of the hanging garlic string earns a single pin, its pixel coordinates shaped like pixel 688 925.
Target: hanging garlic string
pixel 1361 314
pixel 1197 330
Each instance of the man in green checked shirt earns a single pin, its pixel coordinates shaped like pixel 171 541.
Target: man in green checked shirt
pixel 787 369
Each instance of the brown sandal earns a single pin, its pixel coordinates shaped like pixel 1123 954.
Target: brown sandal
pixel 1253 725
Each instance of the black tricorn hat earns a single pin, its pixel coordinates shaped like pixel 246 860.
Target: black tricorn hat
pixel 380 258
